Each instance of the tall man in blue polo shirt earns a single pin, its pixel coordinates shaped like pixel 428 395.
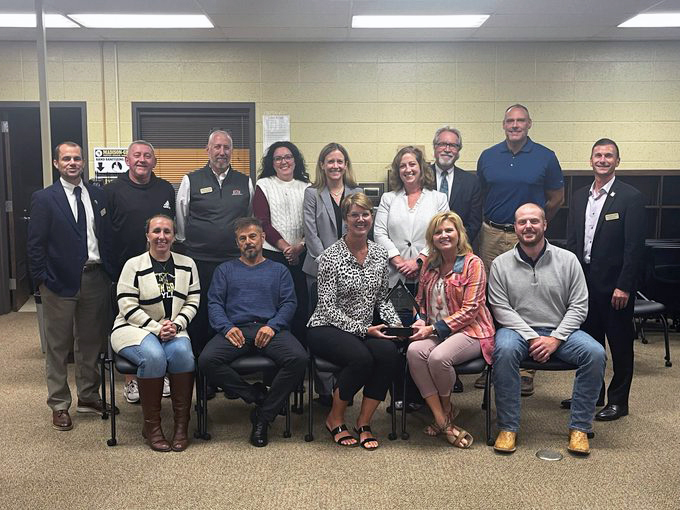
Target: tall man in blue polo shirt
pixel 512 173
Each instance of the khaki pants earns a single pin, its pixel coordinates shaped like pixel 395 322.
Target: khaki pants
pixel 82 322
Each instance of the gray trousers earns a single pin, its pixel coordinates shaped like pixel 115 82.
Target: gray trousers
pixel 81 322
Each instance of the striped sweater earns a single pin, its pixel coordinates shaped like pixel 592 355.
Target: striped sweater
pixel 140 304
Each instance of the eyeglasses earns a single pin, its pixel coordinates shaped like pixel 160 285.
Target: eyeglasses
pixel 446 145
pixel 287 158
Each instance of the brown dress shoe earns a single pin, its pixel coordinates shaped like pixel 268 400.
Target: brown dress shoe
pixel 505 442
pixel 578 442
pixel 61 420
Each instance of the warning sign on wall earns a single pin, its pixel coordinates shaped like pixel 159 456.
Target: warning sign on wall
pixel 109 162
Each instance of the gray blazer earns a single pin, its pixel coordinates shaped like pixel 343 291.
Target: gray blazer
pixel 320 228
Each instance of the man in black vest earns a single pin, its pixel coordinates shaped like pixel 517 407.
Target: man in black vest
pixel 209 201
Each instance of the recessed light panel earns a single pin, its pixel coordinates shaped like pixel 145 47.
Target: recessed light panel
pixel 142 20
pixel 653 20
pixel 445 21
pixel 27 20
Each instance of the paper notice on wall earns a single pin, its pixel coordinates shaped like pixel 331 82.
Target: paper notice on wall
pixel 109 162
pixel 275 128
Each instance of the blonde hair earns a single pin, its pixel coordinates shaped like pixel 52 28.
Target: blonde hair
pixel 358 199
pixel 463 247
pixel 347 176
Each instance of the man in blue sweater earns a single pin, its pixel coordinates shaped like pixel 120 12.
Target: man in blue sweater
pixel 251 302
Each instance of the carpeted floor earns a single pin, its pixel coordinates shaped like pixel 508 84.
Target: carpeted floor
pixel 635 461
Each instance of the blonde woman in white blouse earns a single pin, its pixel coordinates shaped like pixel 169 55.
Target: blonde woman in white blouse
pixel 405 213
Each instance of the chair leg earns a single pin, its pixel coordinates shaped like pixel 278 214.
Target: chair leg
pixel 310 430
pixel 404 432
pixel 487 405
pixel 113 441
pixel 393 435
pixel 665 338
pixel 201 407
pixel 286 432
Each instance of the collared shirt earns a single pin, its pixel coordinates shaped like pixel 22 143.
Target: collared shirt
pixel 509 180
pixel 183 194
pixel 93 256
pixel 439 173
pixel 596 200
pixel 526 258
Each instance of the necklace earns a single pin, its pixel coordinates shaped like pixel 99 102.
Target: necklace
pixel 337 194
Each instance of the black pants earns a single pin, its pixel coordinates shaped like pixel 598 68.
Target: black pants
pixel 369 362
pixel 283 349
pixel 299 322
pixel 199 328
pixel 617 325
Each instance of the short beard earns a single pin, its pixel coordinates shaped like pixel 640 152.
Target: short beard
pixel 247 253
pixel 447 166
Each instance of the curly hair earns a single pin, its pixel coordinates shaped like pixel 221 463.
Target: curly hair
pixel 267 165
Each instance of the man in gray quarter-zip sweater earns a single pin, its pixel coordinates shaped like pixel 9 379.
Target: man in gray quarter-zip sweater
pixel 539 297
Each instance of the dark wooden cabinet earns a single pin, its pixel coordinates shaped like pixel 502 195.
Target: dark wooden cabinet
pixel 661 189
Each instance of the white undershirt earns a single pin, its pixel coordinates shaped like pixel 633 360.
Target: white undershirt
pixel 93 256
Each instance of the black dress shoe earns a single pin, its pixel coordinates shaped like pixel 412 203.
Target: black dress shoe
pixel 210 392
pixel 458 386
pixel 612 412
pixel 258 434
pixel 566 403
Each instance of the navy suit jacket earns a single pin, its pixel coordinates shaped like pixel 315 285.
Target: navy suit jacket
pixel 619 240
pixel 55 252
pixel 465 200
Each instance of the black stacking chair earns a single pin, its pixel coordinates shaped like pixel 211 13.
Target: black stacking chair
pixel 244 365
pixel 110 361
pixel 647 309
pixel 552 365
pixel 474 366
pixel 316 363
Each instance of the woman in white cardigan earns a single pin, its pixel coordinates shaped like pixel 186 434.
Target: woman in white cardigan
pixel 405 213
pixel 158 294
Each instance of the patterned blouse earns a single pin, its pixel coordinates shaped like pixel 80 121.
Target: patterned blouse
pixel 349 292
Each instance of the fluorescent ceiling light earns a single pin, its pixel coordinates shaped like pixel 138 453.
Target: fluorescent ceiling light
pixel 27 20
pixel 655 20
pixel 449 21
pixel 142 20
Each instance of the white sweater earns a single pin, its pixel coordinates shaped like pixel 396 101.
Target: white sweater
pixel 285 199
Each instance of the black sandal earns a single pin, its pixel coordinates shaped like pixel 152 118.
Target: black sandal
pixel 366 428
pixel 337 430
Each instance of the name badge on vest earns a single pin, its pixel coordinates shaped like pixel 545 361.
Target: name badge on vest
pixel 236 192
pixel 612 216
pixel 206 190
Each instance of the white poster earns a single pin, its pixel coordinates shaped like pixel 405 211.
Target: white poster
pixel 275 128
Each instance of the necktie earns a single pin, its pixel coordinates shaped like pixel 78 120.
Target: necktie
pixel 444 185
pixel 81 221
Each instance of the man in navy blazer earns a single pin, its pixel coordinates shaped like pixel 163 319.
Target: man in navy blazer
pixel 462 188
pixel 605 230
pixel 69 254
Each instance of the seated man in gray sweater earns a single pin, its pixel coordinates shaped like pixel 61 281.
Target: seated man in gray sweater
pixel 251 302
pixel 538 295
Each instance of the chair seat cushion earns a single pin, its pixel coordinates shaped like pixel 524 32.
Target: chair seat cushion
pixel 473 366
pixel 254 363
pixel 551 364
pixel 325 366
pixel 124 365
pixel 643 307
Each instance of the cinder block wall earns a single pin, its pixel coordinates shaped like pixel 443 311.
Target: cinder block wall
pixel 373 97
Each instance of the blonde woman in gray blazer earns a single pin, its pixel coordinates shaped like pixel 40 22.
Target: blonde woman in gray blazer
pixel 321 210
pixel 158 294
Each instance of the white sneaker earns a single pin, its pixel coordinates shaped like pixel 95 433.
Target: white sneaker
pixel 166 386
pixel 131 392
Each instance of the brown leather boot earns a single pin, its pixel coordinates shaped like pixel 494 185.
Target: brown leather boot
pixel 150 394
pixel 181 391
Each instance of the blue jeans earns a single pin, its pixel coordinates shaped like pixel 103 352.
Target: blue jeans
pixel 154 358
pixel 579 349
